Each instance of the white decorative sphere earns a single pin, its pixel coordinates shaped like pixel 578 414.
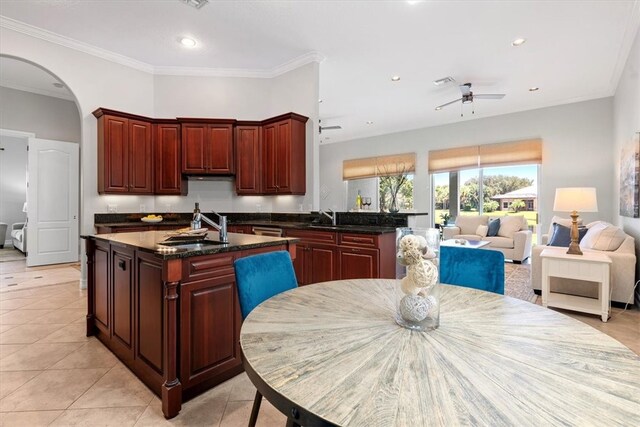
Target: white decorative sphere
pixel 423 274
pixel 414 308
pixel 408 286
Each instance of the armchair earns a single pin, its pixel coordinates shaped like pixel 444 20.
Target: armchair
pixel 19 236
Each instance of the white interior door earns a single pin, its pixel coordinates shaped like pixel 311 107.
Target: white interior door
pixel 52 202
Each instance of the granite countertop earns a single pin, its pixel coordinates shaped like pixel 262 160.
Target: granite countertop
pixel 149 241
pixel 358 229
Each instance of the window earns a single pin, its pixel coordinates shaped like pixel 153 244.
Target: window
pixel 381 180
pixel 505 205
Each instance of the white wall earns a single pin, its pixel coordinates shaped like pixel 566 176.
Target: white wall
pixel 95 83
pixel 13 182
pixel 46 116
pixel 626 123
pixel 576 151
pixel 243 99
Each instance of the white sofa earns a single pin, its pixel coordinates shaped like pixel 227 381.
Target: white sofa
pixel 513 239
pixel 19 236
pixel 623 270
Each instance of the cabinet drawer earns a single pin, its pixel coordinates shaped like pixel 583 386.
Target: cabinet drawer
pixel 208 266
pixel 363 240
pixel 314 236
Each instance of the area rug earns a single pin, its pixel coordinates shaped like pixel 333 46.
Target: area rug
pixel 517 282
pixel 11 254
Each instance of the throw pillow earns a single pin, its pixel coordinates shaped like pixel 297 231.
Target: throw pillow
pixel 604 237
pixel 510 224
pixel 561 235
pixel 494 227
pixel 562 221
pixel 482 230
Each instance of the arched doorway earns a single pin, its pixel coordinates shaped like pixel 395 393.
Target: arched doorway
pixel 37 102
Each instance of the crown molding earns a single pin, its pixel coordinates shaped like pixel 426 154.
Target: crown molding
pixel 51 37
pixel 48 36
pixel 291 65
pixel 631 30
pixel 16 86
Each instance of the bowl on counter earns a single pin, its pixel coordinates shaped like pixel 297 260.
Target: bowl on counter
pixel 152 220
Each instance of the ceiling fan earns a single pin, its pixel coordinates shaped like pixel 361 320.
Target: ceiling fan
pixel 321 128
pixel 468 97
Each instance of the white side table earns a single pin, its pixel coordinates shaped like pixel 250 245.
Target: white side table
pixel 593 267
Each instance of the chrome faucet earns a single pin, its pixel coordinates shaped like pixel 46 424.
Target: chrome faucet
pixel 332 217
pixel 222 228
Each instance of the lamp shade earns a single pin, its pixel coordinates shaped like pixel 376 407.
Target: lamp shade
pixel 24 207
pixel 581 199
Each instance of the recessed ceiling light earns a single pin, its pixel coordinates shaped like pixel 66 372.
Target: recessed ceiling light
pixel 58 85
pixel 413 1
pixel 438 108
pixel 533 89
pixel 187 42
pixel 395 78
pixel 369 122
pixel 320 101
pixel 518 42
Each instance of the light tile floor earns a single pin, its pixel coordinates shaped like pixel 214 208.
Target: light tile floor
pixel 52 374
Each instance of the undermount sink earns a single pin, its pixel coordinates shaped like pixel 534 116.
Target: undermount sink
pixel 191 246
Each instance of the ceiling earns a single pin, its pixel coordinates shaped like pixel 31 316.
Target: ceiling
pixel 574 51
pixel 24 76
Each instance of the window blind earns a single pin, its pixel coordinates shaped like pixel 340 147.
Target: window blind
pixel 500 154
pixel 371 167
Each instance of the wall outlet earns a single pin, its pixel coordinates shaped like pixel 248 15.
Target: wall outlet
pixel 143 208
pixel 112 208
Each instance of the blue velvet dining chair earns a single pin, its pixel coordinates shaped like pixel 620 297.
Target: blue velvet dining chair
pixel 473 268
pixel 258 278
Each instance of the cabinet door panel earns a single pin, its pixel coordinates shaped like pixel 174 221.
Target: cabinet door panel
pixel 116 155
pixel 140 157
pixel 283 155
pixel 269 180
pixel 150 315
pixel 209 329
pixel 358 263
pixel 101 281
pixel 301 264
pixel 323 263
pixel 193 148
pixel 248 158
pixel 122 274
pixel 168 160
pixel 220 149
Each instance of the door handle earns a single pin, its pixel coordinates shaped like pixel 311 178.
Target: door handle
pixel 122 265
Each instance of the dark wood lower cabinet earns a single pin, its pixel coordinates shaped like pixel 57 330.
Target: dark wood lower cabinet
pixel 357 263
pixel 175 323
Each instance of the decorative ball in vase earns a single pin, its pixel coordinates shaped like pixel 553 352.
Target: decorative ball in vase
pixel 419 305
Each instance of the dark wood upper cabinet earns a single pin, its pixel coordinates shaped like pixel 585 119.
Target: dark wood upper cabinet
pixel 125 154
pixel 284 144
pixel 167 149
pixel 207 146
pixel 248 159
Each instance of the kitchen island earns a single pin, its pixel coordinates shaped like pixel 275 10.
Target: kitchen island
pixel 170 313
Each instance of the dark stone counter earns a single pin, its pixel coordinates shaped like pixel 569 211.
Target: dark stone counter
pixel 150 241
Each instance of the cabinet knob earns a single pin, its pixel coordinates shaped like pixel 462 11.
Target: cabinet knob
pixel 122 265
pixel 355 250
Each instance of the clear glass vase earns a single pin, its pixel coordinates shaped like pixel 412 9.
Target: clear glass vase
pixel 418 296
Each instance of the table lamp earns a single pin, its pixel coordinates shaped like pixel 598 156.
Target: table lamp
pixel 574 199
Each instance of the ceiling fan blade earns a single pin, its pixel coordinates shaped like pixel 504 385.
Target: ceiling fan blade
pixel 448 103
pixel 331 127
pixel 465 88
pixel 489 95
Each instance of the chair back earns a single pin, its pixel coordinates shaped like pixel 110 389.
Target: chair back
pixel 259 277
pixel 473 268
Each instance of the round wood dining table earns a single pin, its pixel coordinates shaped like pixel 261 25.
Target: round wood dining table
pixel 332 354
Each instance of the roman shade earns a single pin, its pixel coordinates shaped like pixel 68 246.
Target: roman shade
pixel 481 156
pixel 371 167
